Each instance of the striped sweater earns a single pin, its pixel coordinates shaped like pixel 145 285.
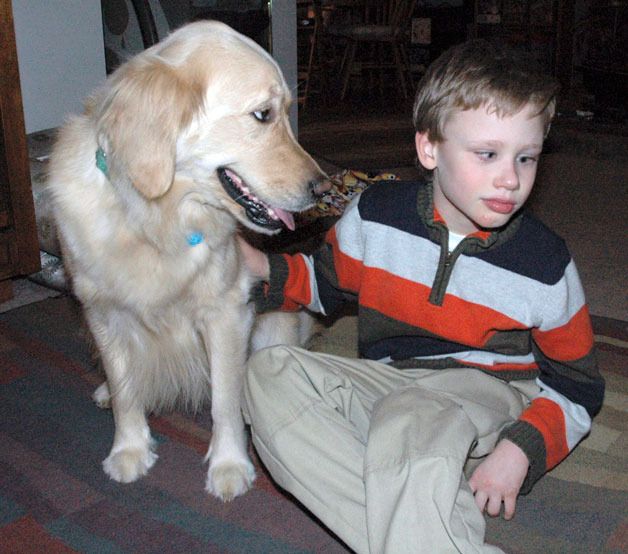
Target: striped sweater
pixel 508 302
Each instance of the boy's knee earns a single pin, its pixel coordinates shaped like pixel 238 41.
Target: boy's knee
pixel 427 423
pixel 267 360
pixel 269 370
pixel 261 385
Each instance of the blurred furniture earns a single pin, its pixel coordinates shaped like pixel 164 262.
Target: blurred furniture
pixel 376 43
pixel 312 72
pixel 19 249
pixel 435 28
pixel 249 17
pixel 130 26
pixel 545 28
pixel 602 54
pixel 530 24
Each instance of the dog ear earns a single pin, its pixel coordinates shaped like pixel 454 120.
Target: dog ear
pixel 145 109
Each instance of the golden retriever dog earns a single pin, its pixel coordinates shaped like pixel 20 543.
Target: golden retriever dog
pixel 183 142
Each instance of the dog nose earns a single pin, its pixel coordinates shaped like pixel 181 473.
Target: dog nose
pixel 319 186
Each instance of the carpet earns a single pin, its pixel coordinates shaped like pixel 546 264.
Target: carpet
pixel 54 496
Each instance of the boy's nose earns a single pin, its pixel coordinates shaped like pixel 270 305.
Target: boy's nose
pixel 508 178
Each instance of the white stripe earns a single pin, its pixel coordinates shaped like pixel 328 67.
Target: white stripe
pixel 476 357
pixel 315 305
pixel 534 304
pixel 348 231
pixel 380 246
pixel 577 420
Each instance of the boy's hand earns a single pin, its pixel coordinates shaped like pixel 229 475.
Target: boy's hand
pixel 255 259
pixel 498 479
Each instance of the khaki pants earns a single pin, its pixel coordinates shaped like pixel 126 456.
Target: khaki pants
pixel 379 454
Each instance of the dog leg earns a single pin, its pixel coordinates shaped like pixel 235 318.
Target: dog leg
pixel 231 473
pixel 274 328
pixel 132 453
pixel 102 396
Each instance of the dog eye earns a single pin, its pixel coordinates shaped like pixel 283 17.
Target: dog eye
pixel 262 115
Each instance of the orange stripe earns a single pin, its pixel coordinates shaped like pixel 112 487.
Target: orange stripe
pixel 569 342
pixel 348 270
pixel 548 418
pixel 297 288
pixel 458 320
pixel 290 306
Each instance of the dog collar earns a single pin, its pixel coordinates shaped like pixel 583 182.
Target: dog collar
pixel 193 239
pixel 101 162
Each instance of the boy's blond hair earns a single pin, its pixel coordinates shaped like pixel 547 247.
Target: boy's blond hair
pixel 479 73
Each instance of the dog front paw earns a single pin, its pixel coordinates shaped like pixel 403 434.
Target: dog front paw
pixel 128 465
pixel 102 396
pixel 226 480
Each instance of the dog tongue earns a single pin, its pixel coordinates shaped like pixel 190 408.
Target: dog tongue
pixel 286 217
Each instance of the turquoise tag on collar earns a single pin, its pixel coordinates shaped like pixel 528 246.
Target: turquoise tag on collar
pixel 101 162
pixel 194 238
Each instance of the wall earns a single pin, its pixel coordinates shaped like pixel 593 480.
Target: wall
pixel 284 46
pixel 61 57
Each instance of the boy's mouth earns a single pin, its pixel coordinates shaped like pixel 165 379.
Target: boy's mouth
pixel 500 206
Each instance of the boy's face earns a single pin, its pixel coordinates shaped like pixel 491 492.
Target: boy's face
pixel 485 168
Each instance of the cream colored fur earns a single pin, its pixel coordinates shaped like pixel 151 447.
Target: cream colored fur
pixel 163 312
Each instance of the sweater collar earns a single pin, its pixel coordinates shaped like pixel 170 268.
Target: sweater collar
pixel 438 232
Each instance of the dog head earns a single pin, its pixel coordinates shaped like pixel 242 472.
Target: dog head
pixel 209 107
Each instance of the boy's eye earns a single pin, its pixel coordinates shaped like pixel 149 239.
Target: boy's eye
pixel 486 155
pixel 262 115
pixel 527 159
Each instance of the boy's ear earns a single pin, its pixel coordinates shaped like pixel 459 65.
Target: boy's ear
pixel 425 150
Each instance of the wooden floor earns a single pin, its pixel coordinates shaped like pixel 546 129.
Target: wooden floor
pixel 368 133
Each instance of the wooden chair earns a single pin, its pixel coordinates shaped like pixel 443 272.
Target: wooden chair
pixel 380 37
pixel 309 31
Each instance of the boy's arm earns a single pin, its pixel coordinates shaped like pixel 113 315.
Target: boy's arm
pixel 571 387
pixel 546 431
pixel 255 260
pixel 321 282
pixel 290 283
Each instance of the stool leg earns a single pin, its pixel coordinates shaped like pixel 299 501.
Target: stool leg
pixel 347 66
pixel 400 69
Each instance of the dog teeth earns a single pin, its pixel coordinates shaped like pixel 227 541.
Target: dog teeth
pixel 253 204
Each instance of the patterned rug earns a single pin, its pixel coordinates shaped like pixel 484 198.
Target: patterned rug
pixel 54 496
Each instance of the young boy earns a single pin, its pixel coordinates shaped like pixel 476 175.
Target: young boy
pixel 477 373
